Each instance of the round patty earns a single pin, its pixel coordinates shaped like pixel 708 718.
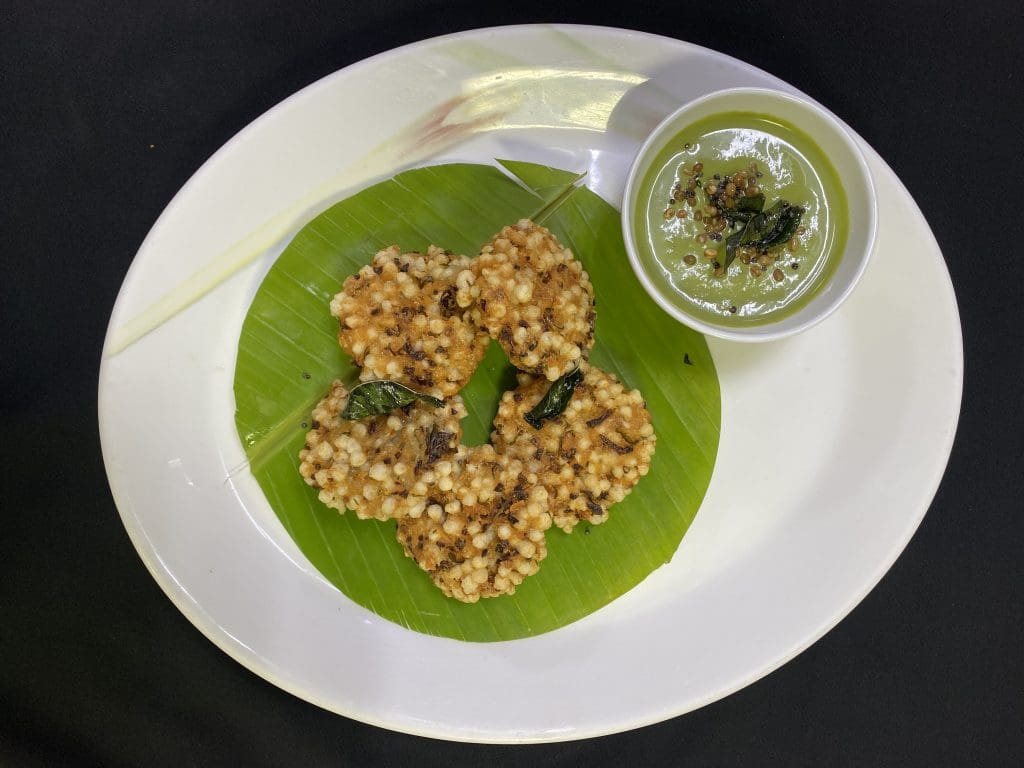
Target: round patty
pixel 485 535
pixel 589 457
pixel 381 467
pixel 528 292
pixel 400 321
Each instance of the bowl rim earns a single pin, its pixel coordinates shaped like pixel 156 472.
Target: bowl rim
pixel 769 331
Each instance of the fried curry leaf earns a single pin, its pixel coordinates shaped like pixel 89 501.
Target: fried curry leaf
pixel 553 404
pixel 746 208
pixel 783 226
pixel 766 229
pixel 774 226
pixel 732 242
pixel 373 398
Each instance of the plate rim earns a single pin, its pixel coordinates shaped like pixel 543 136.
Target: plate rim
pixel 211 630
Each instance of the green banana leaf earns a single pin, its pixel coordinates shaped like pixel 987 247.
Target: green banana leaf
pixel 288 355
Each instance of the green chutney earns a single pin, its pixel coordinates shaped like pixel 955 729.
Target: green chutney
pixel 793 168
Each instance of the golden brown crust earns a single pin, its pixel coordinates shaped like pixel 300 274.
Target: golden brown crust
pixel 399 321
pixel 381 467
pixel 528 292
pixel 475 518
pixel 485 535
pixel 590 457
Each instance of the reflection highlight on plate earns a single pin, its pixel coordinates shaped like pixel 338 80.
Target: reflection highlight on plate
pixel 503 99
pixel 547 97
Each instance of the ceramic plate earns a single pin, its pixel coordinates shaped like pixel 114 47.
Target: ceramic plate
pixel 816 490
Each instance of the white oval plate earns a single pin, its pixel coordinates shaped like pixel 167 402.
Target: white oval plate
pixel 833 442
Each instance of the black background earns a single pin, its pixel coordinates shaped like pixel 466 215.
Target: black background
pixel 96 665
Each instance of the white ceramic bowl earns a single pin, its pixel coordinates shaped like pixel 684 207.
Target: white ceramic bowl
pixel 842 150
